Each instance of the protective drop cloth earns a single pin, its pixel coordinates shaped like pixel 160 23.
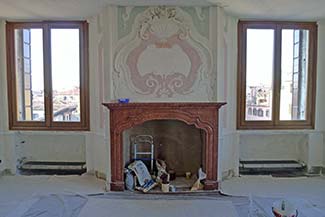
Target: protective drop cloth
pixel 53 205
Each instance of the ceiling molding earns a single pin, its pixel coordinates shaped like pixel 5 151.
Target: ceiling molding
pixel 83 9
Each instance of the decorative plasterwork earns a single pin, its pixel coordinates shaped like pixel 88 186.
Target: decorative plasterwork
pixel 199 13
pixel 163 56
pixel 126 15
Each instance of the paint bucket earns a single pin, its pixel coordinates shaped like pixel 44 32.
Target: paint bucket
pixel 284 208
pixel 165 188
pixel 172 188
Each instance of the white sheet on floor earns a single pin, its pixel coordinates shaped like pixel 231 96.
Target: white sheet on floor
pixel 100 207
pixel 76 206
pixel 54 205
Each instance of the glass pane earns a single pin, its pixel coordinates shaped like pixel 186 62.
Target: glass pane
pixel 259 74
pixel 65 74
pixel 29 74
pixel 294 74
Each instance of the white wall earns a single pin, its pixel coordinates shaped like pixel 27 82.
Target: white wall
pixel 100 66
pixel 6 137
pixel 7 152
pixel 47 146
pixel 226 62
pixel 320 96
pixel 276 146
pixel 2 97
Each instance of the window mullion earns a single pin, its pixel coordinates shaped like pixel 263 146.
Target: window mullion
pixel 47 75
pixel 312 68
pixel 277 76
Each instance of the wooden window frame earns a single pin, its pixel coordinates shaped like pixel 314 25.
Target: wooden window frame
pixel 48 123
pixel 275 122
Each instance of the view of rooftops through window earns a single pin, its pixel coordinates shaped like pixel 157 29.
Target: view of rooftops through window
pixel 260 74
pixel 65 76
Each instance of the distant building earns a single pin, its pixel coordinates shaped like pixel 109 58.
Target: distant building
pixel 258 103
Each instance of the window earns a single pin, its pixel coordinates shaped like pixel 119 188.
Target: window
pixel 276 75
pixel 48 75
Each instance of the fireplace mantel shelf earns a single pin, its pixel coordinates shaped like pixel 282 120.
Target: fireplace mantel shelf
pixel 114 105
pixel 204 115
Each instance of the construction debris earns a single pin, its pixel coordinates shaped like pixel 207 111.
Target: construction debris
pixel 162 174
pixel 137 177
pixel 199 183
pixel 146 183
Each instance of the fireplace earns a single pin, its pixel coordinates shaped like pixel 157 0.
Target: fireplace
pixel 202 115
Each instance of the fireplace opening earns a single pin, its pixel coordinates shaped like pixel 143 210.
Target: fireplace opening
pixel 179 145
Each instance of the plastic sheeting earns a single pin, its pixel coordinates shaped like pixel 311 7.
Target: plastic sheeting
pixel 53 205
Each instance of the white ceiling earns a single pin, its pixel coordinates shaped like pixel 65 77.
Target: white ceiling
pixel 81 9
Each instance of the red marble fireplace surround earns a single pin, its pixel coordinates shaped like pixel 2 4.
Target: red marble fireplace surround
pixel 203 115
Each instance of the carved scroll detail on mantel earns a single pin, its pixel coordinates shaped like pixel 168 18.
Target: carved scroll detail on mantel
pixel 163 56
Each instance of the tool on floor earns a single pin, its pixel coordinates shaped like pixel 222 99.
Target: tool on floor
pixel 284 208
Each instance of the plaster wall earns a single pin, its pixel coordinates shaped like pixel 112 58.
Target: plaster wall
pixel 100 68
pixel 320 94
pixel 107 34
pixel 226 84
pixel 7 152
pixel 53 147
pixel 6 137
pixel 2 95
pixel 112 38
pixel 320 97
pixel 266 146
